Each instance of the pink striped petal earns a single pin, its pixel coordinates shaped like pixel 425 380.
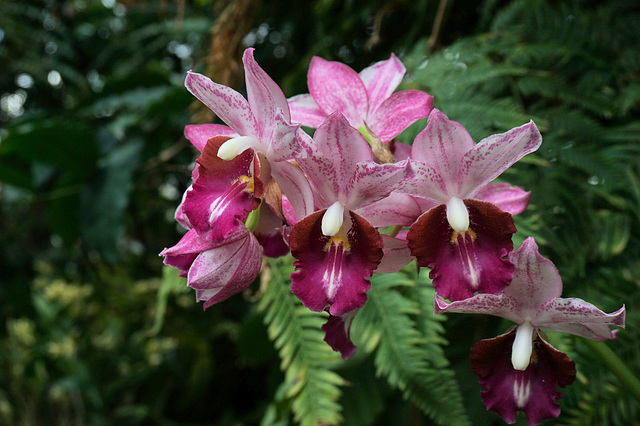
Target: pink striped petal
pixel 396 255
pixel 381 79
pixel 199 134
pixel 578 317
pixel 396 209
pixel 226 103
pixel 495 154
pixel 295 187
pixel 372 182
pixel 336 87
pixel 398 112
pixel 509 198
pixel 264 95
pixel 305 110
pixel 219 273
pixel 442 145
pixel 337 331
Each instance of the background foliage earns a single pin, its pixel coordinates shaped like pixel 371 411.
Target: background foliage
pixel 93 163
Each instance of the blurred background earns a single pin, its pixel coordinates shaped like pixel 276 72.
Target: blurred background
pixel 93 162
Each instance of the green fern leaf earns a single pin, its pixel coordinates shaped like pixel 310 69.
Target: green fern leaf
pixel 311 390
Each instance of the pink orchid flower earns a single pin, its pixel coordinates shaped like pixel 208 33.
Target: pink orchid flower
pixel 520 370
pixel 261 123
pixel 336 248
pixel 464 240
pixel 365 98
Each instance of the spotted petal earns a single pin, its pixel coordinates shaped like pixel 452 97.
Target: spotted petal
pixel 381 79
pixel 398 112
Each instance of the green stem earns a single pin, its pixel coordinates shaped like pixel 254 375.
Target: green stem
pixel 616 366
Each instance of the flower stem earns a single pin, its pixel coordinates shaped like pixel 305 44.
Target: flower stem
pixel 616 366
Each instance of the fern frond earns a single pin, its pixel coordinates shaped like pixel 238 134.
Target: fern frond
pixel 310 387
pixel 409 356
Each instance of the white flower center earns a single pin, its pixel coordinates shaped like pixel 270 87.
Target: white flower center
pixel 332 219
pixel 457 214
pixel 522 346
pixel 236 146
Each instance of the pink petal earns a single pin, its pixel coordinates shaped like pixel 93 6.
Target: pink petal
pixel 396 209
pixel 396 255
pixel 381 79
pixel 578 317
pixel 510 198
pixel 199 134
pixel 372 182
pixel 332 272
pixel 219 273
pixel 341 147
pixel 287 142
pixel 295 187
pixel 463 264
pixel 441 146
pixel 535 279
pixel 533 391
pixel 337 331
pixel 427 183
pixel 225 102
pixel 499 305
pixel 268 233
pixel 495 154
pixel 305 111
pixel 224 192
pixel 336 87
pixel 264 95
pixel 182 255
pixel 398 112
pixel 400 150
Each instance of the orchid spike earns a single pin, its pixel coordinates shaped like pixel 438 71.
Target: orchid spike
pixel 464 240
pixel 365 99
pixel 519 370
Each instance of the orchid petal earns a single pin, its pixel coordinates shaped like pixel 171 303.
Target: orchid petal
pixel 199 134
pixel 224 192
pixel 333 272
pixel 395 209
pixel 372 182
pixel 509 198
pixel 336 87
pixel 465 263
pixel 305 110
pixel 506 390
pixel 268 233
pixel 400 150
pixel 381 79
pixel 337 331
pixel 491 304
pixel 495 154
pixel 398 112
pixel 288 142
pixel 264 95
pixel 535 279
pixel 427 183
pixel 226 103
pixel 295 187
pixel 396 255
pixel 442 145
pixel 578 317
pixel 219 273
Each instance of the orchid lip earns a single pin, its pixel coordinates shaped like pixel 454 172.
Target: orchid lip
pixel 522 346
pixel 457 214
pixel 236 146
pixel 332 219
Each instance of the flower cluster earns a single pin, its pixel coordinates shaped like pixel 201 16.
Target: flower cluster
pixel 263 187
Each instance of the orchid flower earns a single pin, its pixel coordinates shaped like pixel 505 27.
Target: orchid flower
pixel 336 248
pixel 365 99
pixel 261 123
pixel 519 370
pixel 464 240
pixel 216 271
